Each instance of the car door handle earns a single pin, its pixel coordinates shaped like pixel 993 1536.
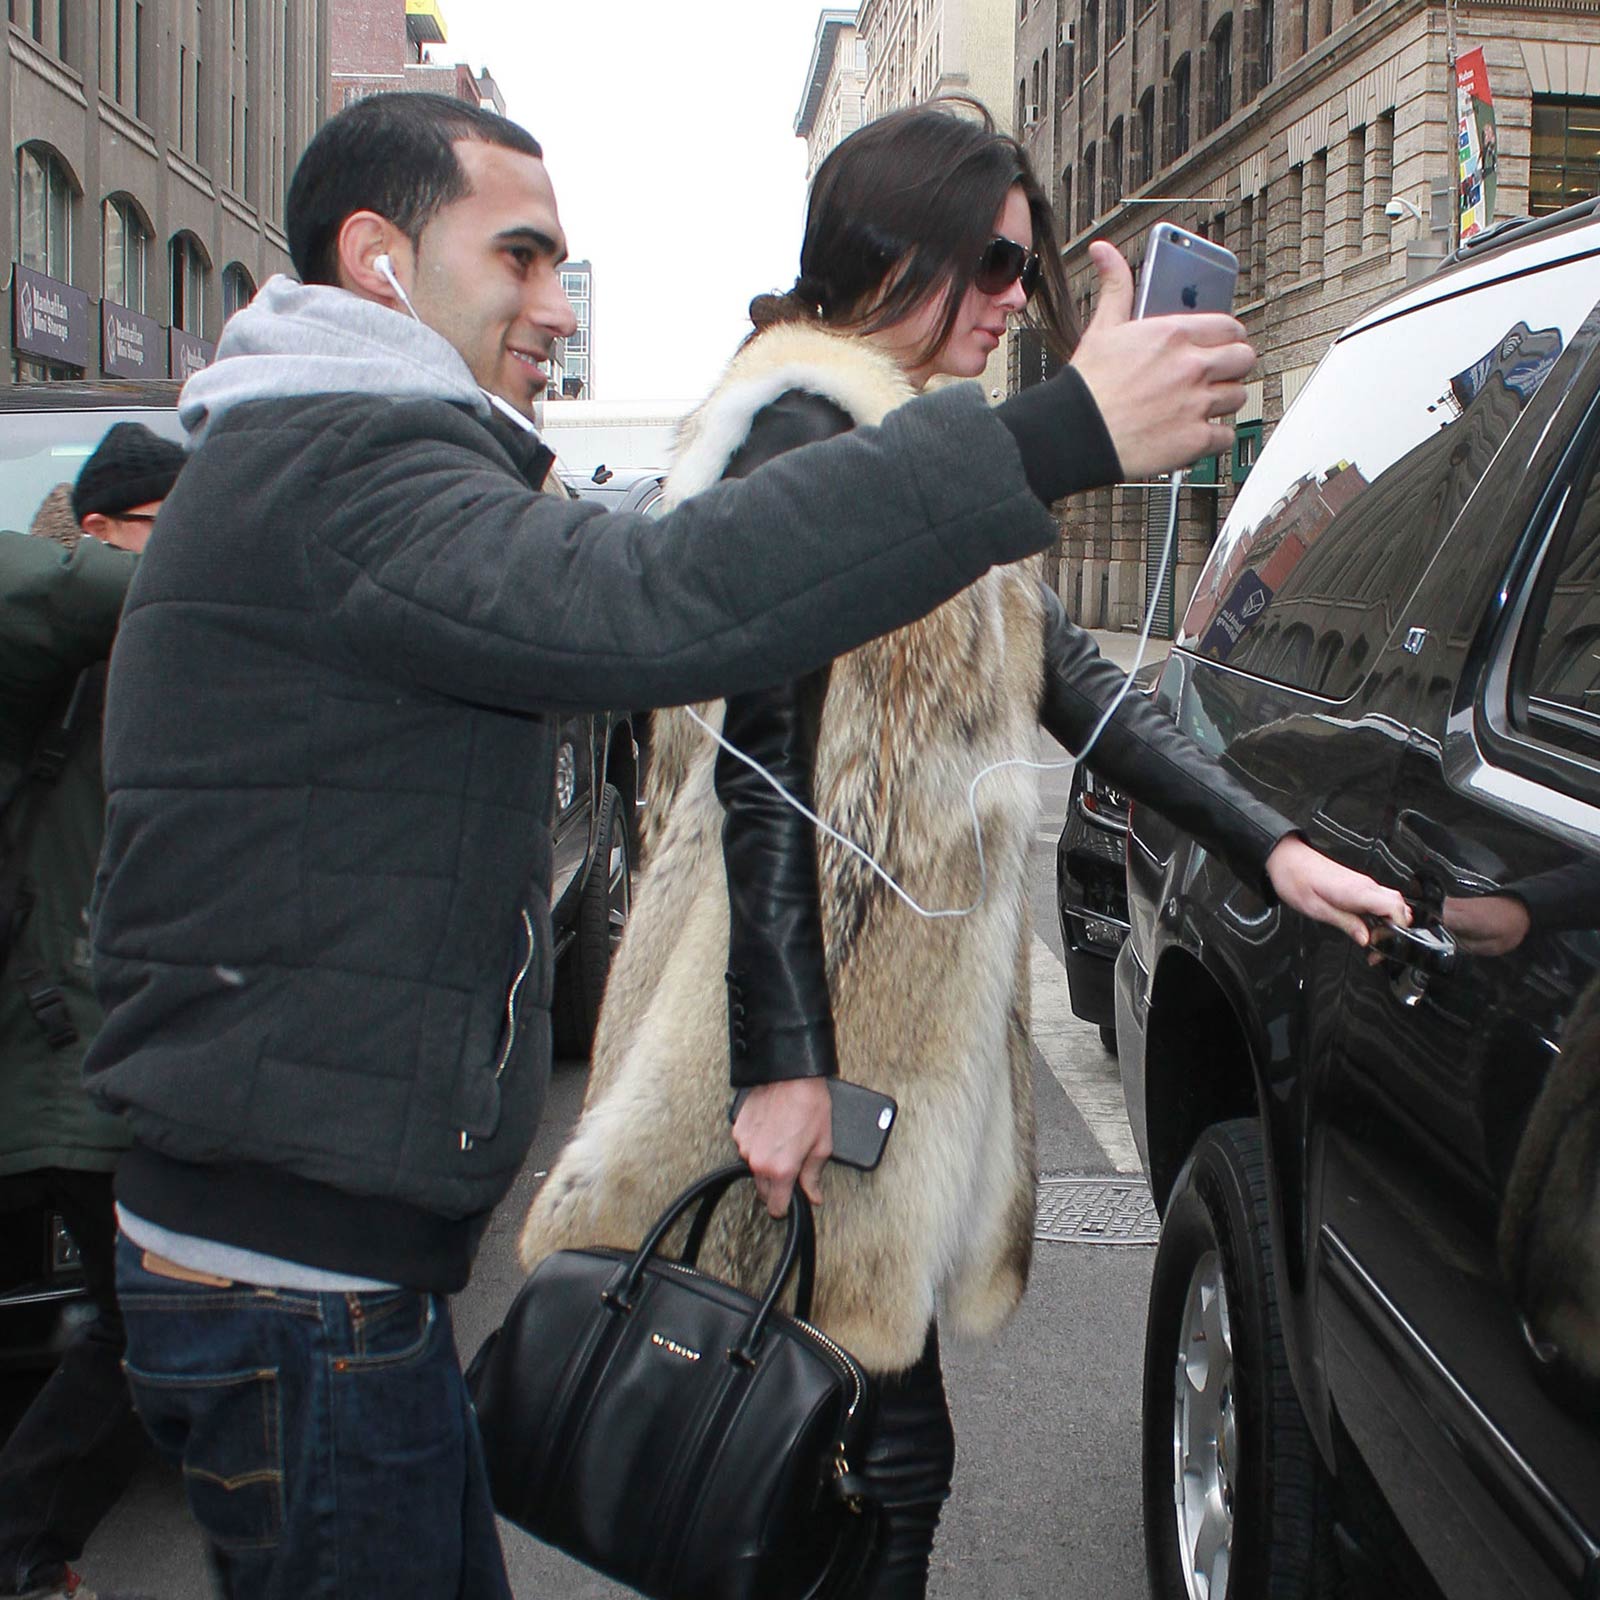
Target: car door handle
pixel 1428 949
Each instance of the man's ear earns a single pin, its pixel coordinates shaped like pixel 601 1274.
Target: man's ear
pixel 95 525
pixel 364 236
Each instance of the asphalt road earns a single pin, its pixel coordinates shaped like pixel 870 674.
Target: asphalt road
pixel 1046 1500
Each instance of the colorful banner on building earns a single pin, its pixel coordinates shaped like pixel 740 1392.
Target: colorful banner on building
pixel 1476 143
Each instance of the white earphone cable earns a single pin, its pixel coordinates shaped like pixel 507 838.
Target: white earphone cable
pixel 997 766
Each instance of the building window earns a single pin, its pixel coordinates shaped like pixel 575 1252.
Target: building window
pixel 1181 117
pixel 45 193
pixel 1246 448
pixel 1113 172
pixel 1087 195
pixel 1066 67
pixel 1145 153
pixel 1116 21
pixel 1064 207
pixel 1313 197
pixel 126 253
pixel 1269 41
pixel 1379 177
pixel 189 272
pixel 1566 152
pixel 1222 72
pixel 238 289
pixel 138 58
pixel 1292 216
pixel 1355 172
pixel 1090 32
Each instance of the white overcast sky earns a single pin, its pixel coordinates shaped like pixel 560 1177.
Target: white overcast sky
pixel 669 134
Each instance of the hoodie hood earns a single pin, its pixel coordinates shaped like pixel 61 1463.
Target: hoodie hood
pixel 305 339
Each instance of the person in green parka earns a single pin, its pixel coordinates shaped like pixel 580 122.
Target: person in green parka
pixel 61 591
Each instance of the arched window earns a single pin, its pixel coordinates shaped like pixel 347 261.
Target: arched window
pixel 1113 172
pixel 125 256
pixel 1222 72
pixel 1143 165
pixel 190 269
pixel 46 191
pixel 1089 198
pixel 1269 42
pixel 1089 37
pixel 1181 107
pixel 238 289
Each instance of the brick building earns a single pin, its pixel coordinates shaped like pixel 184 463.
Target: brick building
pixel 1283 129
pixel 382 45
pixel 151 144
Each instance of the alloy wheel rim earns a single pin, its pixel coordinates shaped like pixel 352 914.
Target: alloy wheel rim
pixel 619 889
pixel 1205 1451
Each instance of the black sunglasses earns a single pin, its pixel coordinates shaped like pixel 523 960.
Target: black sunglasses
pixel 1002 263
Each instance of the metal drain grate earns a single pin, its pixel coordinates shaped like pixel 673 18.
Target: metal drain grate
pixel 1114 1209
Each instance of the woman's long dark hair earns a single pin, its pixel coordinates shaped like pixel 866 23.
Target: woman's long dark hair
pixel 901 211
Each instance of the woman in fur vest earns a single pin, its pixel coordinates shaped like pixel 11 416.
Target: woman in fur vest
pixel 761 954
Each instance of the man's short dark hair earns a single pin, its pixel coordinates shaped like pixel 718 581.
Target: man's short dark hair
pixel 389 153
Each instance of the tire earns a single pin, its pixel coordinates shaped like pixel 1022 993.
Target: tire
pixel 602 913
pixel 1108 1037
pixel 1236 1503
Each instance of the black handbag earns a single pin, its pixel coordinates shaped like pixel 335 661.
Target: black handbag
pixel 670 1430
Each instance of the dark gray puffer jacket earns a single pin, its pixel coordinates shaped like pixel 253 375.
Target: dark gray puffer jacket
pixel 323 934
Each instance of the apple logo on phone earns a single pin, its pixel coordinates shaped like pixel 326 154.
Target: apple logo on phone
pixel 1190 297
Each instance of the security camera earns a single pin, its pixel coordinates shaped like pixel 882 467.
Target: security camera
pixel 1398 208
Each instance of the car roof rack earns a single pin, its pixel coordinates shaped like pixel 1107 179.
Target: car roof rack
pixel 1515 229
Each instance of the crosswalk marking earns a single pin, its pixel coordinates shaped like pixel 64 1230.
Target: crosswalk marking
pixel 1080 1064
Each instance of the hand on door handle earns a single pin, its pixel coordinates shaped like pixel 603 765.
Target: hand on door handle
pixel 1427 948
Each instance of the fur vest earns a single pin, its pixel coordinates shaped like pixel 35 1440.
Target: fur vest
pixel 932 1012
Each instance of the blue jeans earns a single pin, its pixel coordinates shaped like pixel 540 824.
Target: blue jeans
pixel 327 1443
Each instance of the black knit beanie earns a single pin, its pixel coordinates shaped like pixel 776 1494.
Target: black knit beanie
pixel 131 467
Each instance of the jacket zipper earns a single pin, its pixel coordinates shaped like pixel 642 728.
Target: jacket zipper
pixel 512 995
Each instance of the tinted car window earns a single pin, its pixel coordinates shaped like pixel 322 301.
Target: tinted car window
pixel 1362 480
pixel 1558 701
pixel 40 449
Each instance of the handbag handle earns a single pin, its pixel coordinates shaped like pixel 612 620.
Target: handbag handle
pixel 805 1279
pixel 799 1249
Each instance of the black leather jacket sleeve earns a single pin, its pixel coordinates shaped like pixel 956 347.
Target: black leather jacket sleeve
pixel 1142 753
pixel 780 1022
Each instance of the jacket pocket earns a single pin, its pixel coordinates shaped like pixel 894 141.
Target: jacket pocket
pixel 490 1048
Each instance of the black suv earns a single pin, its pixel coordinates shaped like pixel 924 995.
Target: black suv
pixel 1373 1346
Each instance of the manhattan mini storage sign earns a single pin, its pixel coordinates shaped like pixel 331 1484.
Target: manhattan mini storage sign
pixel 50 318
pixel 130 343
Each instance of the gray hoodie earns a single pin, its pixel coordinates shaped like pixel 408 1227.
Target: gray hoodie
pixel 303 339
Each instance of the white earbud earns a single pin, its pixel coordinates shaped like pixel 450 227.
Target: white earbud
pixel 384 267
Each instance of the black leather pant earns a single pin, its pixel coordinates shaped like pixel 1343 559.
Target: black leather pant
pixel 910 1457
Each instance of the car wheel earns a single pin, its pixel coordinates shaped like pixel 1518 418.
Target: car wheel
pixel 1235 1495
pixel 1108 1037
pixel 602 914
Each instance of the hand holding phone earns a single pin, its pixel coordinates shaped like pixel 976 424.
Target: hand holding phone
pixel 1159 381
pixel 862 1121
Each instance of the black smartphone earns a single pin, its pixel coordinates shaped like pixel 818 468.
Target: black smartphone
pixel 1183 272
pixel 862 1120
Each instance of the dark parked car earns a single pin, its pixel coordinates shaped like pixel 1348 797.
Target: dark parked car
pixel 1373 1338
pixel 1091 887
